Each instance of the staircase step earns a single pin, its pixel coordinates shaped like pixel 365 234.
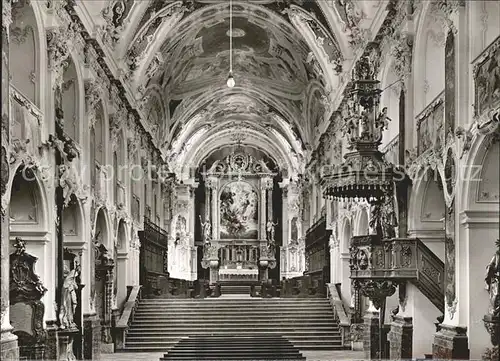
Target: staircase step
pixel 227 331
pixel 234 348
pixel 206 328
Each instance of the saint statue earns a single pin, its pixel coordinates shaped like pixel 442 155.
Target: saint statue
pixel 206 230
pixel 68 298
pixel 375 223
pixel 270 230
pixel 492 280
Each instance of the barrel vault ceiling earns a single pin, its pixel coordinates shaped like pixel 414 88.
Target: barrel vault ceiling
pixel 287 59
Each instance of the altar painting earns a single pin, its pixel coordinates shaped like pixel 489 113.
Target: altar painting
pixel 238 212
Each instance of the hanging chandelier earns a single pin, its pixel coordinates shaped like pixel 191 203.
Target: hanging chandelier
pixel 230 79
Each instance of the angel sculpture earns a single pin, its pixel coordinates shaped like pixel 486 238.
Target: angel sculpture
pixel 68 182
pixel 381 123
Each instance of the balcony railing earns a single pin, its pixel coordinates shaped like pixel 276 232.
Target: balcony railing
pixel 486 99
pixel 26 120
pixel 430 126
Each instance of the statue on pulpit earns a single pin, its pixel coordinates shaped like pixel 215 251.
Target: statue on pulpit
pixel 270 230
pixel 206 230
pixel 492 281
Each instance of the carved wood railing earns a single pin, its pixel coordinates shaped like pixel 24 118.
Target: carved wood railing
pixel 339 313
pixel 412 259
pixel 399 260
pixel 132 302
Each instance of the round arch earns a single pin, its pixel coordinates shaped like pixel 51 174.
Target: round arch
pixel 428 53
pixel 361 226
pixel 102 228
pixel 39 51
pixel 74 221
pixel 346 235
pixel 26 178
pixel 483 146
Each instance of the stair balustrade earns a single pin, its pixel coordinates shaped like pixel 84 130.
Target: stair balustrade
pixel 340 313
pixel 127 315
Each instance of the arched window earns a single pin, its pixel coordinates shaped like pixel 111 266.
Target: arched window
pixel 23 48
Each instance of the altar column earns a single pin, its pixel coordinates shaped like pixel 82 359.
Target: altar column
pixel 269 190
pixel 213 185
pixel 192 249
pixel 263 209
pixel 285 232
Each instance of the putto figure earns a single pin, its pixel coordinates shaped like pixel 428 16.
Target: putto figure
pixel 270 230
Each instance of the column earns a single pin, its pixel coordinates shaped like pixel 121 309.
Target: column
pixel 450 340
pixel 262 218
pixel 191 253
pixel 269 191
pixel 8 341
pixel 212 184
pixel 285 234
pixel 334 258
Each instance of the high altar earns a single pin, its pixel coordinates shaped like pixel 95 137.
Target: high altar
pixel 238 223
pixel 239 213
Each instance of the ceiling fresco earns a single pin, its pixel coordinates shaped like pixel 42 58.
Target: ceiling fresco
pixel 177 53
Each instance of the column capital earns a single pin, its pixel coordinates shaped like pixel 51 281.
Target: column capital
pixel 266 183
pixel 212 182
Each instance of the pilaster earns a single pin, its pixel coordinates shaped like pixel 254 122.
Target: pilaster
pixel 450 342
pixel 8 341
pixel 371 334
pixel 401 338
pixel 91 337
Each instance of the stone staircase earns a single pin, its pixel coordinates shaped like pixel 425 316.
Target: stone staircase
pixel 159 324
pixel 233 348
pixel 228 289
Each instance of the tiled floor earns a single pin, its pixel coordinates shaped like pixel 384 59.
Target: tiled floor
pixel 310 355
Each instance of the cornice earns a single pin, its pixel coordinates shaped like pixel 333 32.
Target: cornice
pixel 480 217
